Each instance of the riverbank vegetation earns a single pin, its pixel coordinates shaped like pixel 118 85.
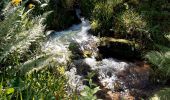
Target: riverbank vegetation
pixel 129 30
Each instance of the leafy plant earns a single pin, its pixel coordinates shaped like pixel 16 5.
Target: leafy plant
pixel 162 94
pixel 160 59
pixel 89 91
pixel 6 93
pixel 27 72
pixel 18 33
pixel 162 62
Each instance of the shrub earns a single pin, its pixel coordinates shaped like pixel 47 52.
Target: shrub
pixel 161 61
pixel 17 33
pixel 131 21
pixel 104 19
pixel 26 72
pixel 158 24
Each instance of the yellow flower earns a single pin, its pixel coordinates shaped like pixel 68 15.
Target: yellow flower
pixel 61 70
pixel 16 2
pixel 31 5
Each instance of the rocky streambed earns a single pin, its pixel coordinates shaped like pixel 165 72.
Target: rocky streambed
pixel 116 78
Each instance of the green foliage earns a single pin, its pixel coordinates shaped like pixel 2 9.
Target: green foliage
pixel 130 21
pixel 158 23
pixel 162 62
pixel 17 33
pixel 2 3
pixel 162 94
pixel 102 19
pixel 115 18
pixel 67 3
pixel 160 59
pixel 101 16
pixel 6 93
pixel 26 71
pixel 29 73
pixel 38 85
pixel 144 22
pixel 39 7
pixel 87 7
pixel 89 91
pixel 157 17
pixel 61 10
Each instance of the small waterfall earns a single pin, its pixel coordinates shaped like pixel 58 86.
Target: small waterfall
pixel 111 73
pixel 58 42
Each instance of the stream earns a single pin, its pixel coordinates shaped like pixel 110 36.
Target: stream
pixel 115 77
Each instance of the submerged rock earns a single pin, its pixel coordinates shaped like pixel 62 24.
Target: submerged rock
pixel 113 74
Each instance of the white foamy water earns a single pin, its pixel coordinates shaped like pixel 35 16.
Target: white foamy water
pixel 106 69
pixel 58 44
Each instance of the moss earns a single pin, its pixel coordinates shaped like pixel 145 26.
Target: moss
pixel 107 40
pixel 119 49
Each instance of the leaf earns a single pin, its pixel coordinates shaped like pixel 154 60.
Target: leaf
pixel 1 88
pixel 83 93
pixel 10 90
pixel 44 5
pixel 95 90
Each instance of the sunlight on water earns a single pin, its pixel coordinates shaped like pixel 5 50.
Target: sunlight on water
pixel 107 70
pixel 59 42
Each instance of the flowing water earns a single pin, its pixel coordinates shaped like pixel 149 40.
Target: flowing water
pixel 110 73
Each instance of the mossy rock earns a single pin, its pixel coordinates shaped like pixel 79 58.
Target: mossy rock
pixel 119 48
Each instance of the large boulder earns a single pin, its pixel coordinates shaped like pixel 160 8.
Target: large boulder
pixel 119 48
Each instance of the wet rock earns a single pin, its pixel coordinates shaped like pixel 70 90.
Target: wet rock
pixel 114 75
pixel 137 76
pixel 119 48
pixel 106 94
pixel 76 52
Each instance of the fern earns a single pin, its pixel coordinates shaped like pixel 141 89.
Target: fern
pixel 161 59
pixel 18 31
pixel 24 66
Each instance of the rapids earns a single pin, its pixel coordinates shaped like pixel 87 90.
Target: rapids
pixel 110 73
